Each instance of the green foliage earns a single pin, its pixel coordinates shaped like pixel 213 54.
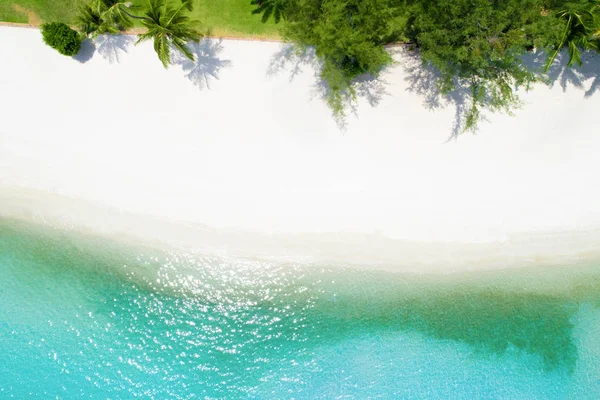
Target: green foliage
pixel 168 27
pixel 581 30
pixel 348 37
pixel 61 37
pixel 88 20
pixel 104 17
pixel 114 14
pixel 478 45
pixel 223 17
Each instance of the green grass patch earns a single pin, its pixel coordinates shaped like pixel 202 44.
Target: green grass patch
pixel 46 10
pixel 9 14
pixel 221 17
pixel 227 18
pixel 233 18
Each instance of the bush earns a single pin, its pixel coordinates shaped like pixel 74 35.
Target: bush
pixel 61 37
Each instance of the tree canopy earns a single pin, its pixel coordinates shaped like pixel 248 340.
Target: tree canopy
pixel 477 45
pixel 348 38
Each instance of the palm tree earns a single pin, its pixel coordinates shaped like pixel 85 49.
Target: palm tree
pixel 276 8
pixel 114 13
pixel 88 20
pixel 104 16
pixel 581 32
pixel 168 27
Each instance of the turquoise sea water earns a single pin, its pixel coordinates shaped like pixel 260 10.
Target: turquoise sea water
pixel 82 316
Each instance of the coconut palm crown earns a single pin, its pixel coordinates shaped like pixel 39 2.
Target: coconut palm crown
pixel 105 16
pixel 168 26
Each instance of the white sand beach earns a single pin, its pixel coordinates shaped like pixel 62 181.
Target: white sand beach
pixel 240 141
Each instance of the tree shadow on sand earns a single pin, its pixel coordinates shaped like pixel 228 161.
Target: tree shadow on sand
pixel 424 80
pixel 207 64
pixel 86 52
pixel 113 47
pixel 294 61
pixel 585 77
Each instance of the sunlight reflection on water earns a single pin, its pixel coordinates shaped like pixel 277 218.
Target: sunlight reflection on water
pixel 86 316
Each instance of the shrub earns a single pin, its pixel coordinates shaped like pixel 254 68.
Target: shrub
pixel 61 37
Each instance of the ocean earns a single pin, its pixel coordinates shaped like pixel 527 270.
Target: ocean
pixel 87 316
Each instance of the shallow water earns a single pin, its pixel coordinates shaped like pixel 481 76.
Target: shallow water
pixel 84 316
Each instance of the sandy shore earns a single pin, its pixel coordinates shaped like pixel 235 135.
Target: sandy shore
pixel 242 142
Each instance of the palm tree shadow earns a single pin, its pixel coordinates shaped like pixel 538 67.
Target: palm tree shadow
pixel 295 60
pixel 206 65
pixel 585 77
pixel 113 47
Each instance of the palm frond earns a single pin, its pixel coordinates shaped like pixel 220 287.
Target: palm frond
pixel 169 27
pixel 88 20
pixel 181 46
pixel 113 12
pixel 189 5
pixel 163 50
pixel 581 31
pixel 574 54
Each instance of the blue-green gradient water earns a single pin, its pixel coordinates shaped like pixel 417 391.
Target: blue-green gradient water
pixel 82 316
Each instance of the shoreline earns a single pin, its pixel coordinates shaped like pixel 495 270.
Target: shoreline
pixel 245 144
pixel 357 250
